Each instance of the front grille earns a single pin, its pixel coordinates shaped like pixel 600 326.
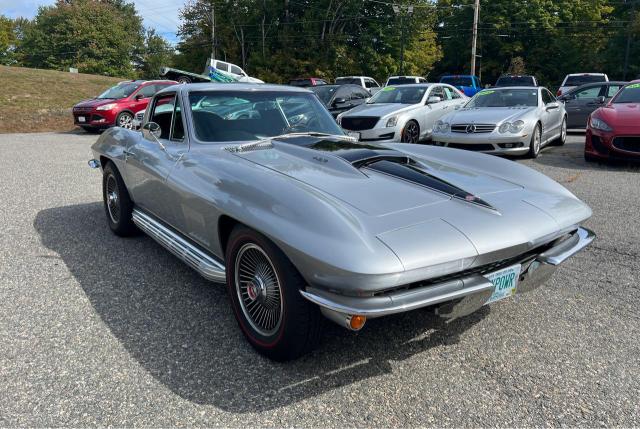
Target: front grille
pixel 475 147
pixel 597 144
pixel 82 109
pixel 472 128
pixel 629 144
pixel 359 123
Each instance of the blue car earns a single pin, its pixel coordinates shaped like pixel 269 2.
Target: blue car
pixel 468 84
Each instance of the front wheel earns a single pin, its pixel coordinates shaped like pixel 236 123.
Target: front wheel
pixel 410 132
pixel 536 141
pixel 117 203
pixel 264 289
pixel 125 120
pixel 562 139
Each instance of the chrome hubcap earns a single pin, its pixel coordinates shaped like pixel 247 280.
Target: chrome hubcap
pixel 258 289
pixel 536 142
pixel 113 203
pixel 126 121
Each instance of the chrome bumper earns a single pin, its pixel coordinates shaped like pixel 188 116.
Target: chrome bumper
pixel 468 294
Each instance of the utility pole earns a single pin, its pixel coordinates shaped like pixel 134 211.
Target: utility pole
pixel 474 41
pixel 399 10
pixel 213 30
pixel 629 36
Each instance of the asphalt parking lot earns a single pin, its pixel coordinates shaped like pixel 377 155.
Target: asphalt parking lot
pixel 99 330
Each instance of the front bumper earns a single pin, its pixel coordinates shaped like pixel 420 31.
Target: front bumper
pixel 467 294
pixel 493 142
pixel 600 144
pixel 381 135
pixel 93 118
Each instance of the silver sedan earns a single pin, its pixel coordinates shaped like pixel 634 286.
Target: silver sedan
pixel 512 120
pixel 404 113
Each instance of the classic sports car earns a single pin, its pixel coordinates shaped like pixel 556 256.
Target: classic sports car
pixel 257 186
pixel 514 120
pixel 613 131
pixel 404 113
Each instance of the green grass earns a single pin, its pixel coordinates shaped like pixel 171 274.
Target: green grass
pixel 34 100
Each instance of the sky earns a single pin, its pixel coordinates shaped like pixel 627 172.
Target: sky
pixel 163 15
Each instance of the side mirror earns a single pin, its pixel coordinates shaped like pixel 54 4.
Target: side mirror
pixel 434 100
pixel 139 97
pixel 600 100
pixel 339 101
pixel 153 129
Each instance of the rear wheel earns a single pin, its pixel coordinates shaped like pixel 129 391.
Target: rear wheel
pixel 264 289
pixel 117 203
pixel 536 141
pixel 562 139
pixel 410 132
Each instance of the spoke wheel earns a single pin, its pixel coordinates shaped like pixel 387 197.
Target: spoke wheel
pixel 125 120
pixel 258 289
pixel 536 140
pixel 113 199
pixel 563 134
pixel 411 132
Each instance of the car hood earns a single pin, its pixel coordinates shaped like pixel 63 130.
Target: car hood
pixel 379 110
pixel 624 118
pixel 400 193
pixel 487 115
pixel 95 102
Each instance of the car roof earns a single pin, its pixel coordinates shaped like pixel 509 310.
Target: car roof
pixel 587 74
pixel 232 86
pixel 500 88
pixel 419 85
pixel 408 77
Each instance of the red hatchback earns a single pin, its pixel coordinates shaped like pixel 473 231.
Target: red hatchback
pixel 117 105
pixel 613 131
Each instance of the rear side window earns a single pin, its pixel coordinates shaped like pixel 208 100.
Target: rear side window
pixel 369 83
pixel 148 91
pixel 612 90
pixel 236 70
pixel 222 66
pixel 582 80
pixel 592 92
pixel 163 113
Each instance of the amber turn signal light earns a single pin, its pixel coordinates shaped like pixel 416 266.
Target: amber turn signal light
pixel 357 322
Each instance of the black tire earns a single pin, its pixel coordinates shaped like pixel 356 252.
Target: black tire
pixel 560 141
pixel 117 204
pixel 292 326
pixel 410 132
pixel 534 147
pixel 124 120
pixel 184 79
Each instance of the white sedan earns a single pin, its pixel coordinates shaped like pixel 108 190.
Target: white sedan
pixel 404 113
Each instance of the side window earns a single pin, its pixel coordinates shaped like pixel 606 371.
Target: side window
pixel 547 97
pixel 177 128
pixel 222 66
pixel 148 91
pixel 236 70
pixel 612 90
pixel 448 92
pixel 588 92
pixel 370 83
pixel 162 114
pixel 437 91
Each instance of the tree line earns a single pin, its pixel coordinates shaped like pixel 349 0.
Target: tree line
pixel 276 40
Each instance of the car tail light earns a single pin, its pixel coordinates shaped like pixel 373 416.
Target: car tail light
pixel 559 93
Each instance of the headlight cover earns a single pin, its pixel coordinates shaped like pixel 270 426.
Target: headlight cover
pixel 511 127
pixel 106 106
pixel 441 127
pixel 392 121
pixel 599 124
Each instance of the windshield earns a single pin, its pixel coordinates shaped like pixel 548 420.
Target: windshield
pixel 325 92
pixel 122 90
pixel 348 80
pixel 401 95
pixel 628 94
pixel 504 98
pixel 224 116
pixel 457 80
pixel 515 81
pixel 581 80
pixel 401 80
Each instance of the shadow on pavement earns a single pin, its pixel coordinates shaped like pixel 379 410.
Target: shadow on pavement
pixel 180 328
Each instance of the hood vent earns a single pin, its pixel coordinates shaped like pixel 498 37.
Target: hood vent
pixel 411 173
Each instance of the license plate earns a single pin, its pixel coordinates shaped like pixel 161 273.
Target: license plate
pixel 81 119
pixel 354 135
pixel 505 282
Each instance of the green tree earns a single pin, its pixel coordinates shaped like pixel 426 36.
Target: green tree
pixel 96 36
pixel 155 53
pixel 7 40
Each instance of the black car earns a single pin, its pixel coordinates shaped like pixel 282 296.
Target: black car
pixel 519 80
pixel 340 98
pixel 580 102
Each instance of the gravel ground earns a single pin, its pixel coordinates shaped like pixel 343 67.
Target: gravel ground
pixel 98 330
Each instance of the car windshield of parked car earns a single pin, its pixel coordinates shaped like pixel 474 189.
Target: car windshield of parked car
pixel 348 80
pixel 401 95
pixel 325 92
pixel 119 91
pixel 223 116
pixel 628 94
pixel 515 81
pixel 401 81
pixel 581 80
pixel 504 98
pixel 457 81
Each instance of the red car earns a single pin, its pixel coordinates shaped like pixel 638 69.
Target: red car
pixel 613 131
pixel 307 81
pixel 117 105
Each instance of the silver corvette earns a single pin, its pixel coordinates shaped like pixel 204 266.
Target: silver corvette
pixel 511 120
pixel 404 113
pixel 257 187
